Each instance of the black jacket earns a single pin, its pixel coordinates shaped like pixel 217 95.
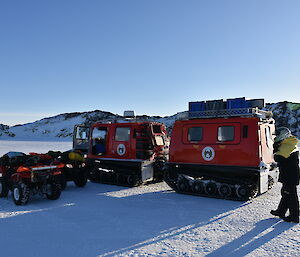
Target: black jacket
pixel 289 172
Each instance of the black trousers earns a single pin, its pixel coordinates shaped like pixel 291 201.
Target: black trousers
pixel 289 200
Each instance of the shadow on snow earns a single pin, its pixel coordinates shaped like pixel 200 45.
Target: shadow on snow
pixel 263 232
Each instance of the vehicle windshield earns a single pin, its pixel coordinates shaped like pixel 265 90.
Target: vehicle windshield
pixel 82 133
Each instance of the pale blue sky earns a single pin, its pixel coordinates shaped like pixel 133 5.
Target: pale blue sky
pixel 152 56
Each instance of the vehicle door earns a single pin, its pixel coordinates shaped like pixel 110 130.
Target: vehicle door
pixel 121 142
pixel 81 138
pixel 99 141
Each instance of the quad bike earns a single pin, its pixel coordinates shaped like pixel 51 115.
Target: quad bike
pixel 28 175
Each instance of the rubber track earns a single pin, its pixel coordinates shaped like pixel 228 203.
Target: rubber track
pixel 217 196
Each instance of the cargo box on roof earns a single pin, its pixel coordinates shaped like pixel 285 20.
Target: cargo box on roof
pixel 259 103
pixel 215 105
pixel 236 103
pixel 197 106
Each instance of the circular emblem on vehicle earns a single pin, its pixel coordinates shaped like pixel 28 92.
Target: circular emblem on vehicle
pixel 208 153
pixel 121 150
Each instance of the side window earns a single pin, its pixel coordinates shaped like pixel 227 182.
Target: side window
pixel 195 134
pixel 99 133
pixel 269 139
pixel 122 134
pixel 225 133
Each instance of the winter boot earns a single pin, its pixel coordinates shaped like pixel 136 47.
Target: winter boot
pixel 291 219
pixel 277 213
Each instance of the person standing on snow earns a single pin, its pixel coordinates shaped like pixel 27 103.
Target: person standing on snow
pixel 286 154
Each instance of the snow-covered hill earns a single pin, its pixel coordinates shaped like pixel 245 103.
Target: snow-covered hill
pixel 57 128
pixel 60 127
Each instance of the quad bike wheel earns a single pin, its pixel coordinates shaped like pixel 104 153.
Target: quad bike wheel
pixel 53 190
pixel 80 179
pixel 3 188
pixel 21 193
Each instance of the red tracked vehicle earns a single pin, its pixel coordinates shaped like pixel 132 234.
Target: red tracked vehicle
pixel 128 153
pixel 27 175
pixel 223 152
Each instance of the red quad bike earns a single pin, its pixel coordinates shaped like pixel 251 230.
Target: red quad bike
pixel 74 167
pixel 126 153
pixel 27 175
pixel 223 149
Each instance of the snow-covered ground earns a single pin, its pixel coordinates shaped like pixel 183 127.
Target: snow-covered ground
pixel 151 220
pixel 33 146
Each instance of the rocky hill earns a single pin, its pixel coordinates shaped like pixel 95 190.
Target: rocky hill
pixel 60 127
pixel 286 114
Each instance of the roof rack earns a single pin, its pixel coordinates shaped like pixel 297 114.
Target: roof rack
pixel 239 112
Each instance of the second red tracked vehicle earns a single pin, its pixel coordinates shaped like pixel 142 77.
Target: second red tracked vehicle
pixel 224 152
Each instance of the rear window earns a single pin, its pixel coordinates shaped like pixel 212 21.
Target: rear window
pixel 195 134
pixel 159 140
pixel 225 133
pixel 122 134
